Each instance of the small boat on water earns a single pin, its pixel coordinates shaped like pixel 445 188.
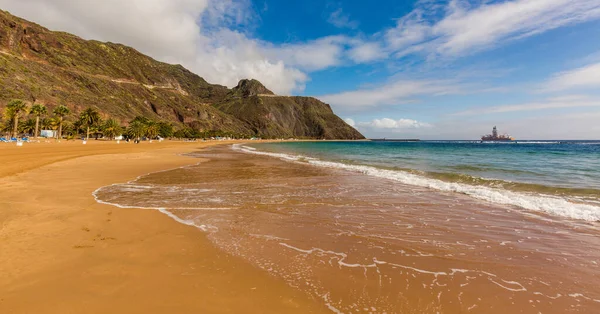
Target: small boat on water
pixel 495 137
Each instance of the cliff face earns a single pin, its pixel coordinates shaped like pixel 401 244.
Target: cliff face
pixel 246 88
pixel 59 68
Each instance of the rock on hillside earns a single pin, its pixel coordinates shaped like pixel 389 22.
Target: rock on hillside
pixel 246 88
pixel 283 116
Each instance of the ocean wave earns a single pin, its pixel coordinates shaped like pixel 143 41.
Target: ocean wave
pixel 488 168
pixel 549 204
pixel 589 194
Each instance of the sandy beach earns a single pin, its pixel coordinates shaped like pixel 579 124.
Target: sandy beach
pixel 277 237
pixel 62 252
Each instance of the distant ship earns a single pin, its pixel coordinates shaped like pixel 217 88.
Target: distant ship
pixel 495 137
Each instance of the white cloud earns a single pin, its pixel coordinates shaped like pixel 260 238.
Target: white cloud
pixel 163 28
pixel 584 77
pixel 411 29
pixel 340 19
pixel 394 93
pixel 463 29
pixel 199 34
pixel 385 127
pixel 466 27
pixel 350 122
pixel 393 125
pixel 207 37
pixel 460 28
pixel 568 101
pixel 366 52
pixel 313 55
pixel 233 56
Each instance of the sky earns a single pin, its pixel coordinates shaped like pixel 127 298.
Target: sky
pixel 427 69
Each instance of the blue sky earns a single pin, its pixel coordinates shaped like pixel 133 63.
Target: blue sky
pixel 427 69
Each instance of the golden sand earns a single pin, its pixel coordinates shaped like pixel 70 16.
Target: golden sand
pixel 62 252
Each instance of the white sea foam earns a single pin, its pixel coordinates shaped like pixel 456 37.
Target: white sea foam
pixel 509 285
pixel 131 185
pixel 537 202
pixel 247 147
pixel 160 209
pixel 268 237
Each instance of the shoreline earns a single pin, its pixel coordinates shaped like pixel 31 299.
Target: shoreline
pixel 359 242
pixel 532 197
pixel 61 251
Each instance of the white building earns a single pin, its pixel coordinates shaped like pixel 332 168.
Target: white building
pixel 48 133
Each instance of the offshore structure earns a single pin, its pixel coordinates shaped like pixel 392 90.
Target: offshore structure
pixel 495 137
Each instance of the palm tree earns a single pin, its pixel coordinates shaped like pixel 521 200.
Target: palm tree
pixel 152 130
pixel 14 109
pixel 53 124
pixel 165 129
pixel 47 123
pixel 61 112
pixel 78 127
pixel 29 126
pixel 111 128
pixel 38 110
pixel 7 123
pixel 136 130
pixel 89 117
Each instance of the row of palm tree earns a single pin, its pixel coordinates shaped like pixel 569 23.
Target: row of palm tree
pixel 89 120
pixel 143 127
pixel 17 108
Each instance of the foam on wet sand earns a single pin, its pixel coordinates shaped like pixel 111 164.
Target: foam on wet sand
pixel 362 243
pixel 63 252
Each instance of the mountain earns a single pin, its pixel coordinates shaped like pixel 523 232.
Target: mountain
pixel 283 116
pixel 55 68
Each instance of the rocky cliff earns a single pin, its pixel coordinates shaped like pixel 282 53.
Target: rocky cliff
pixel 55 68
pixel 284 116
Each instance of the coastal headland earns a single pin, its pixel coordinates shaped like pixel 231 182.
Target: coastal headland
pixel 62 252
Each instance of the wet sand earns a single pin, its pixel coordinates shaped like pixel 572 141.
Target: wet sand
pixel 62 252
pixel 360 244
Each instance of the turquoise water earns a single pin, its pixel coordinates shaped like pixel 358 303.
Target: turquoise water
pixel 564 175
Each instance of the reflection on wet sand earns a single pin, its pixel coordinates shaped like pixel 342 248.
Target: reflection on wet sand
pixel 365 244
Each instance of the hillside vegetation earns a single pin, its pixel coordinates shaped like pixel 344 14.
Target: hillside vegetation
pixel 56 68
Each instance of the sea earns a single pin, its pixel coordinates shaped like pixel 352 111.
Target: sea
pixel 558 177
pixel 399 227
